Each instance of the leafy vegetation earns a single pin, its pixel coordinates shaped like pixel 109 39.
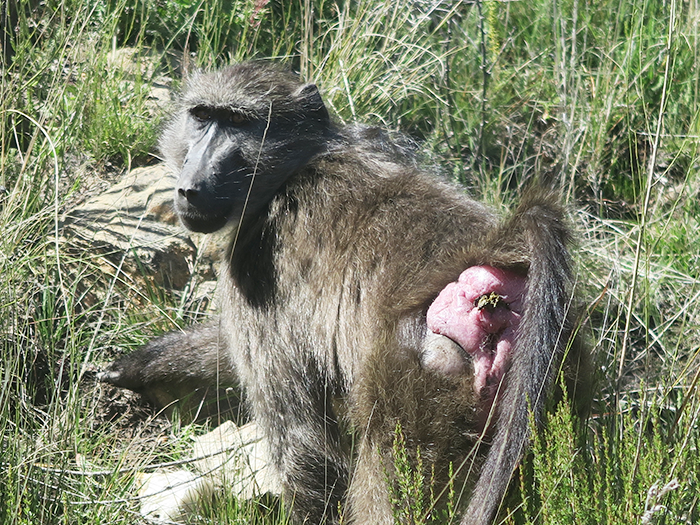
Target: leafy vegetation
pixel 600 98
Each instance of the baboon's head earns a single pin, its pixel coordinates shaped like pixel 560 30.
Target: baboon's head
pixel 239 135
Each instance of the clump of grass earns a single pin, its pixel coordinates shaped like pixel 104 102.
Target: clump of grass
pixel 617 476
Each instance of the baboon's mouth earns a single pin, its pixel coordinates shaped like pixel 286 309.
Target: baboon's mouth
pixel 200 225
pixel 196 221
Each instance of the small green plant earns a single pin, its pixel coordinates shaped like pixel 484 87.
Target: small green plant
pixel 412 490
pixel 408 488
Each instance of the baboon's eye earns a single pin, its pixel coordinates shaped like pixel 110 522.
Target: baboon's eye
pixel 201 113
pixel 237 118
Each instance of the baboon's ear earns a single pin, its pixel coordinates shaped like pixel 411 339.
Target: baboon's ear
pixel 311 101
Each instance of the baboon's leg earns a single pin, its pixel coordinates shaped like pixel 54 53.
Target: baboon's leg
pixel 190 369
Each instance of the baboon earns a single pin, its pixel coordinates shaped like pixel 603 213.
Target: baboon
pixel 360 289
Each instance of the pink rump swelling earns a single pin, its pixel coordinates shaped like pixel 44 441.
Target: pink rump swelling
pixel 486 334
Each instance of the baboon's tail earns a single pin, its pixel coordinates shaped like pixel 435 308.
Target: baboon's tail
pixel 541 341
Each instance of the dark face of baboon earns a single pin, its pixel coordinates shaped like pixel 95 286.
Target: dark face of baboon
pixel 239 135
pixel 358 279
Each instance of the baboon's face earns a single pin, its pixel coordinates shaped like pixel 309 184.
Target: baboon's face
pixel 242 139
pixel 216 175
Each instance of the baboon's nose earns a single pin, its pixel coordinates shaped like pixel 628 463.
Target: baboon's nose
pixel 189 194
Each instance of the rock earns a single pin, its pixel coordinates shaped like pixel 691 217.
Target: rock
pixel 244 466
pixel 133 225
pixel 169 496
pixel 230 458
